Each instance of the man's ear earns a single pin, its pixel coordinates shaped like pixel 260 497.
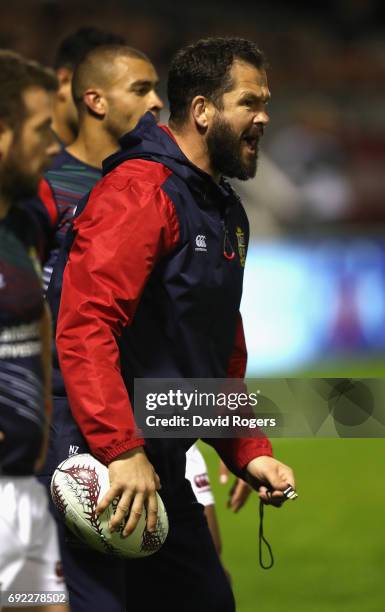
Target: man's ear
pixel 64 76
pixel 96 102
pixel 202 111
pixel 6 137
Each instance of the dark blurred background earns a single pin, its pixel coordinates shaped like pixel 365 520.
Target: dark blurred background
pixel 315 282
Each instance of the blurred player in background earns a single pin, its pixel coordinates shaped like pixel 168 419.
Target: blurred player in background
pixel 197 474
pixel 70 53
pixel 29 553
pixel 113 86
pixel 139 301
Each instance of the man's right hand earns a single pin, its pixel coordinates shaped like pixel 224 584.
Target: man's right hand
pixel 134 480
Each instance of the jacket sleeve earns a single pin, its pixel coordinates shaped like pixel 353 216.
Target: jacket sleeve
pixel 236 453
pixel 121 234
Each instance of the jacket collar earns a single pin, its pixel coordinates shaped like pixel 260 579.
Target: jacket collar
pixel 155 143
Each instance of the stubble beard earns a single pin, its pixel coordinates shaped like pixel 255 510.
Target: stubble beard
pixel 16 184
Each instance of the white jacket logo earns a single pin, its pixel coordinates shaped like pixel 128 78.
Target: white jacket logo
pixel 200 242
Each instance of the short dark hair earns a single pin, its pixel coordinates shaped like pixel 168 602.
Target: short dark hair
pixel 203 68
pixel 75 47
pixel 97 68
pixel 16 75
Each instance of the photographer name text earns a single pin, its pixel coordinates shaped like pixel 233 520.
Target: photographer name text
pixel 233 420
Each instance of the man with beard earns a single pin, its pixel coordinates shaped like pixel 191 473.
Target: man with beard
pixel 28 542
pixel 125 81
pixel 113 86
pixel 71 51
pixel 152 288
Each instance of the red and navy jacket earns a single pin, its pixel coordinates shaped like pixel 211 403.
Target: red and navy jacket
pixel 152 288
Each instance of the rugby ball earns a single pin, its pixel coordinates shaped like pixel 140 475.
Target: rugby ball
pixel 77 485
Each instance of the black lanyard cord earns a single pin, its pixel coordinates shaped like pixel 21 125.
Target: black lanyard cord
pixel 262 540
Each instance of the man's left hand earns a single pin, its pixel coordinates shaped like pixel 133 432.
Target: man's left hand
pixel 270 478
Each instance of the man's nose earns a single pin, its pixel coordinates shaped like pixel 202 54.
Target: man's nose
pixel 156 102
pixel 262 118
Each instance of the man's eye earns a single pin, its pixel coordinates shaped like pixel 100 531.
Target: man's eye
pixel 142 91
pixel 254 104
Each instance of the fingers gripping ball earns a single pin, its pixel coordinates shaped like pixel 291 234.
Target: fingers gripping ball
pixel 77 485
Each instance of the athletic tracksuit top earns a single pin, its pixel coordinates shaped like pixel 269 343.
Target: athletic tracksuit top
pixel 22 413
pixel 152 289
pixel 66 182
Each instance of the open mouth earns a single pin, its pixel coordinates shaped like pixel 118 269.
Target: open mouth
pixel 251 144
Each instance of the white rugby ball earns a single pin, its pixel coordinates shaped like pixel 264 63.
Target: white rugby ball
pixel 77 485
